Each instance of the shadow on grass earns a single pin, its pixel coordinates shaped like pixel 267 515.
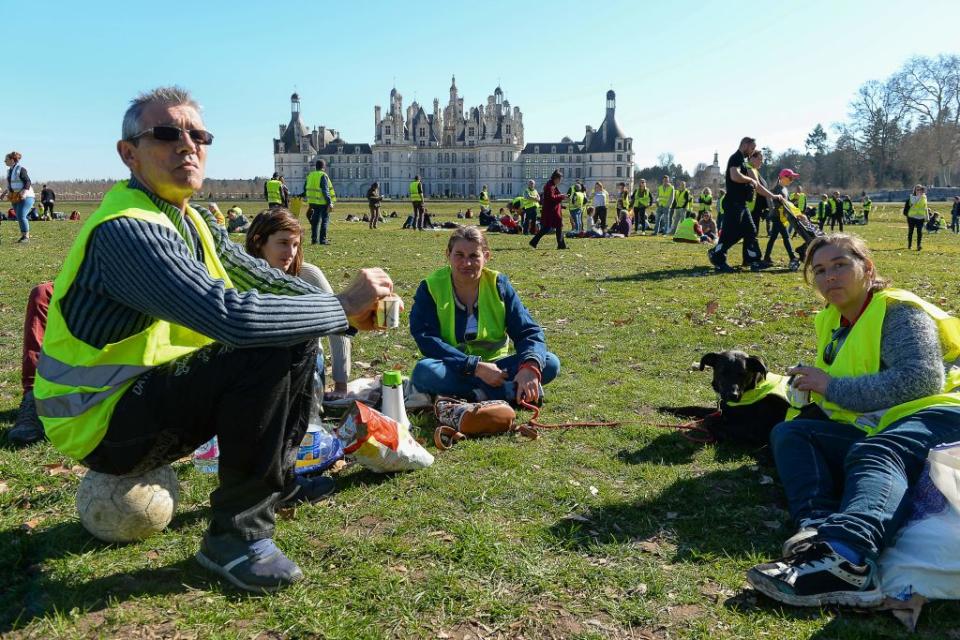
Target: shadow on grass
pixel 663 274
pixel 29 592
pixel 720 513
pixel 671 448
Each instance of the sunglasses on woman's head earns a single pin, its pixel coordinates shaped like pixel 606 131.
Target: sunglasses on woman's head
pixel 171 133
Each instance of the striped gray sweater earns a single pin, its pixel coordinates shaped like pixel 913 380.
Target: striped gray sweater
pixel 135 272
pixel 911 364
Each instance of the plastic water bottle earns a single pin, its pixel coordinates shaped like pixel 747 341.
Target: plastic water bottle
pixel 206 459
pixel 392 397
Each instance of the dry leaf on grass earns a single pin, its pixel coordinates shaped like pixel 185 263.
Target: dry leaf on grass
pixel 30 525
pixel 56 469
pixel 712 307
pixel 3 487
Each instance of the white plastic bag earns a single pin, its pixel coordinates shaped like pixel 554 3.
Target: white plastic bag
pixel 379 442
pixel 925 557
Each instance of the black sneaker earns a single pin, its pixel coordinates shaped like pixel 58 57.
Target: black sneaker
pixel 308 490
pixel 27 429
pixel 816 575
pixel 256 565
pixel 808 529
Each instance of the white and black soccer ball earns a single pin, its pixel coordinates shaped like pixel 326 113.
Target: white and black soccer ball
pixel 127 508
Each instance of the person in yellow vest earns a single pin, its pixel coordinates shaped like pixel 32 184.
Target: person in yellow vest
pixel 680 205
pixel 704 201
pixel 276 192
pixel 885 388
pixel 665 197
pixel 484 201
pixel 465 318
pixel 318 190
pixel 867 205
pixel 530 202
pixel 641 201
pixel 415 189
pixel 689 230
pixel 836 211
pixel 577 202
pixel 823 210
pixel 799 199
pixel 163 333
pixel 916 212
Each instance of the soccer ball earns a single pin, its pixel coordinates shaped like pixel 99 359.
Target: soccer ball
pixel 127 508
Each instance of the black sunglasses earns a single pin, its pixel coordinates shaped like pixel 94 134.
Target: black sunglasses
pixel 833 347
pixel 170 133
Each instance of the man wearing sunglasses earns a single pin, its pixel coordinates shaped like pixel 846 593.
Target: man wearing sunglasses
pixel 163 333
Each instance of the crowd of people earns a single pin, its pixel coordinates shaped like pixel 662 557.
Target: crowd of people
pixel 155 302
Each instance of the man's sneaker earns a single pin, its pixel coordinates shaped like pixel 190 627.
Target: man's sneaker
pixel 794 265
pixel 27 429
pixel 719 262
pixel 307 490
pixel 766 263
pixel 250 565
pixel 808 529
pixel 815 576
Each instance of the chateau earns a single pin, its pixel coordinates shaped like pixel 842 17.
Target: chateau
pixel 456 151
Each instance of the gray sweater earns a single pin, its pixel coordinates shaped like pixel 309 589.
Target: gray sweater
pixel 911 364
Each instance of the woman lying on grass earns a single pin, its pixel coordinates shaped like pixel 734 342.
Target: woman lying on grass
pixel 885 389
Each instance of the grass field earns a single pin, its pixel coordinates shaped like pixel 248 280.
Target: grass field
pixel 608 533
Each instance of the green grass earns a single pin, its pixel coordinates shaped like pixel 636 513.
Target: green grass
pixel 501 537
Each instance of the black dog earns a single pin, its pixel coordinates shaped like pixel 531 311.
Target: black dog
pixel 748 422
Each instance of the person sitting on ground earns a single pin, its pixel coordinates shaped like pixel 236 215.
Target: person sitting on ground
pixel 468 214
pixel 162 333
pixel 276 236
pixel 510 223
pixel 708 226
pixel 885 388
pixel 935 222
pixel 75 215
pixel 486 217
pixel 622 226
pixel 236 221
pixel 689 230
pixel 427 220
pixel 462 317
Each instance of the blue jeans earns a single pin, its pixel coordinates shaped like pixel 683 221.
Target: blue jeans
pixel 529 224
pixel 319 217
pixel 576 220
pixel 23 208
pixel 434 377
pixel 857 484
pixel 662 223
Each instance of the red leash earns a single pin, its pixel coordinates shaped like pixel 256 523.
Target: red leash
pixel 531 426
pixel 687 429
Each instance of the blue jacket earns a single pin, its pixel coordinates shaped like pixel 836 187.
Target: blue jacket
pixel 525 334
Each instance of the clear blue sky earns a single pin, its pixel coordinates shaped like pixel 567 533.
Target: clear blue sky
pixel 690 77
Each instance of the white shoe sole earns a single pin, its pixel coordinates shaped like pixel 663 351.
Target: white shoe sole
pixel 859 599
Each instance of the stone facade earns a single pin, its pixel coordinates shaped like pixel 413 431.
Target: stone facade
pixel 455 151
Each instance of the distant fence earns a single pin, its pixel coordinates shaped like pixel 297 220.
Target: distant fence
pixel 899 195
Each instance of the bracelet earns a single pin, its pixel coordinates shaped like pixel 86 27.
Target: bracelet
pixel 532 366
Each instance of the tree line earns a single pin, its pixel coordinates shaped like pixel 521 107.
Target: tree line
pixel 900 131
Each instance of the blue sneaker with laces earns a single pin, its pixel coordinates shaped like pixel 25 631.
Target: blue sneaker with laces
pixel 257 565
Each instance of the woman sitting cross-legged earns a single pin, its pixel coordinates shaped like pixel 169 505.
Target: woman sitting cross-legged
pixel 463 319
pixel 885 390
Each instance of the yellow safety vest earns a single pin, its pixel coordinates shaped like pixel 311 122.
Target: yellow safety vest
pixel 800 200
pixel 273 192
pixel 577 200
pixel 919 208
pixel 530 198
pixel 683 199
pixel 867 205
pixel 774 383
pixel 484 199
pixel 491 342
pixel 860 355
pixel 314 193
pixel 642 199
pixel 78 385
pixel 705 202
pixel 664 195
pixel 414 190
pixel 685 230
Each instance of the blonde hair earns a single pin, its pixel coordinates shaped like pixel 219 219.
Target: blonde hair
pixel 15 156
pixel 853 245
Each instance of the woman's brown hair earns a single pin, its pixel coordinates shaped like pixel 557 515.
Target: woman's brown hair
pixel 470 234
pixel 855 246
pixel 15 156
pixel 267 223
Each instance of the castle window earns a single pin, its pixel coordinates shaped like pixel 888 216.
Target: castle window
pixel 619 172
pixel 453 157
pixel 619 146
pixel 579 158
pixel 472 132
pixel 509 172
pixel 508 129
pixel 619 157
pixel 536 149
pixel 387 130
pixel 423 132
pixel 553 149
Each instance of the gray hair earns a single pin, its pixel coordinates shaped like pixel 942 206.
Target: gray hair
pixel 172 95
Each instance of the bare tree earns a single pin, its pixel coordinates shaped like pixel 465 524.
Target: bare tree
pixel 877 116
pixel 930 88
